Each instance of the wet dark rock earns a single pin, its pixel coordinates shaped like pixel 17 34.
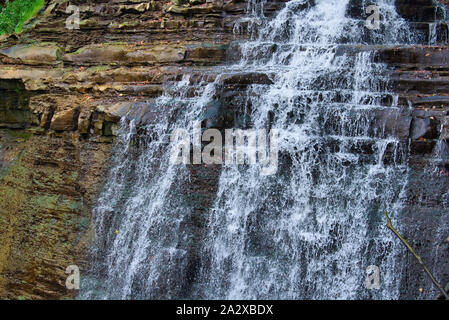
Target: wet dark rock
pixel 424 128
pixel 393 122
pixel 409 55
pixel 419 10
pixel 430 101
pixel 247 79
pixel 420 147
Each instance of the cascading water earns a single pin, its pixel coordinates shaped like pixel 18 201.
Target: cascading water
pixel 308 231
pixel 433 33
pixel 439 29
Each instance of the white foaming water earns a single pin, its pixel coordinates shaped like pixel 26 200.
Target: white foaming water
pixel 433 33
pixel 310 230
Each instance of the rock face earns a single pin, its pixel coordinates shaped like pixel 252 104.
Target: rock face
pixel 64 91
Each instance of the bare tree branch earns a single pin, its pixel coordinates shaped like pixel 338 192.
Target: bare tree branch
pixel 435 282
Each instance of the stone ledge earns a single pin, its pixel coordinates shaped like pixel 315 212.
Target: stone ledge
pixel 42 54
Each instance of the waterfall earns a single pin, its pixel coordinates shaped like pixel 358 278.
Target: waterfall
pixel 436 28
pixel 307 232
pixel 433 33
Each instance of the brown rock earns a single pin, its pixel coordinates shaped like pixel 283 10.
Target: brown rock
pixel 66 120
pixel 33 54
pixel 84 121
pixel 46 118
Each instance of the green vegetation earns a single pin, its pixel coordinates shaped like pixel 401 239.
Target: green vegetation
pixel 20 134
pixel 16 13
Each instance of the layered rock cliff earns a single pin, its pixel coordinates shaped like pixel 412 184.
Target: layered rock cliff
pixel 63 92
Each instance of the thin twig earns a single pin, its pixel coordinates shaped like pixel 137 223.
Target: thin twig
pixel 435 282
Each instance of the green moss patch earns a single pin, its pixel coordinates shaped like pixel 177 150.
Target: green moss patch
pixel 16 13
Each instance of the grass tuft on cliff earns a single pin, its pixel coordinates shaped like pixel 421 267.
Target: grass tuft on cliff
pixel 16 13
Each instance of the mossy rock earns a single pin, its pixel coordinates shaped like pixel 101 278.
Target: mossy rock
pixel 180 2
